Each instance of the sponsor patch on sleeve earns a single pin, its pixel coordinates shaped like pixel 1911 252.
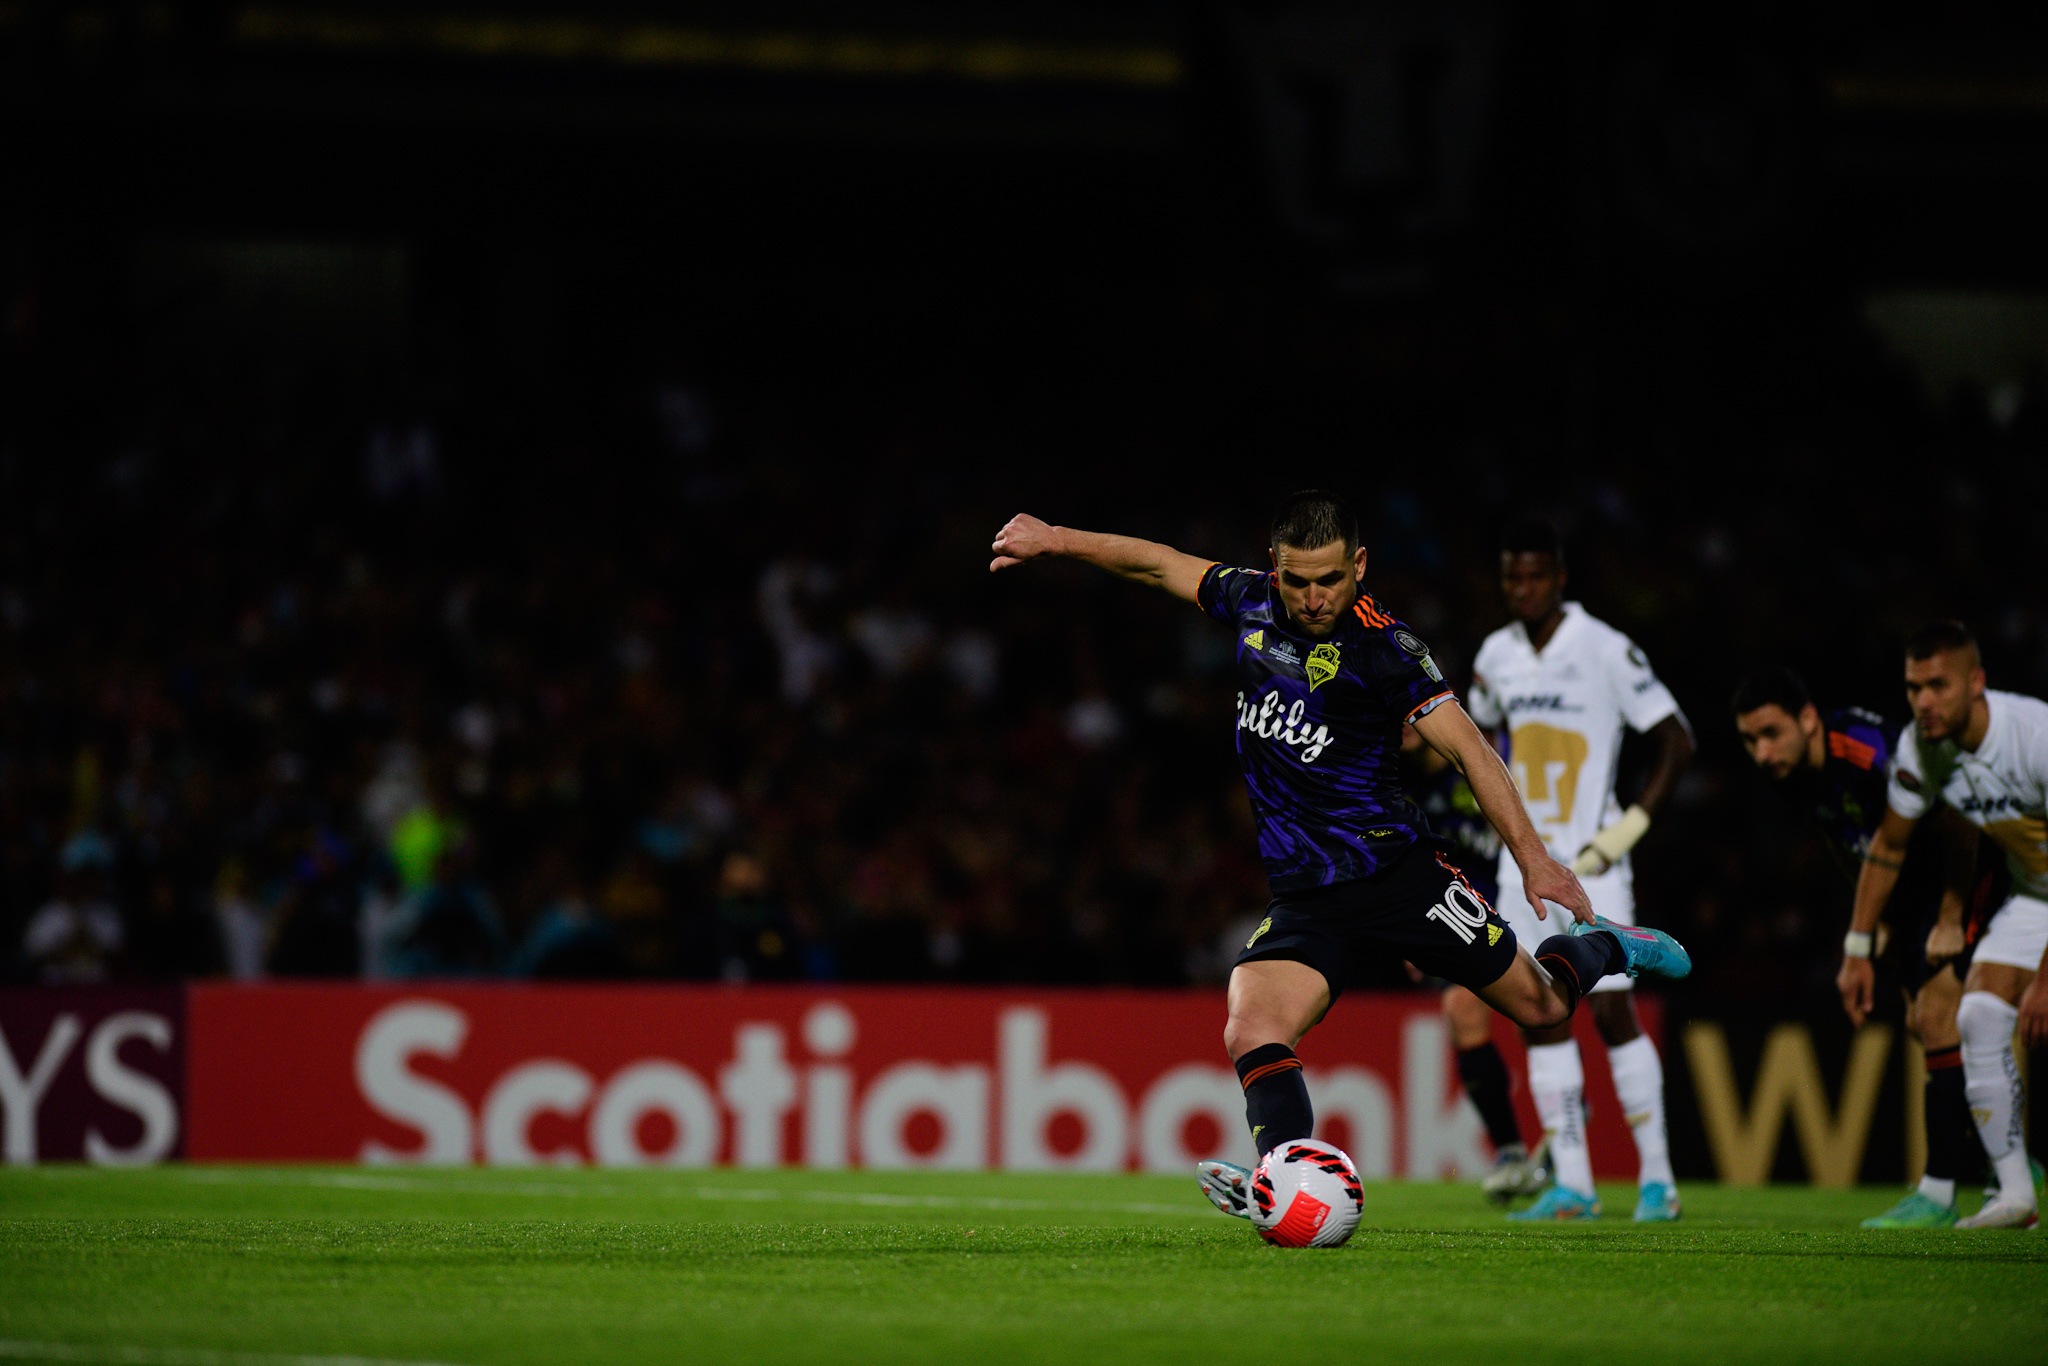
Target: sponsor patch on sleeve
pixel 1412 643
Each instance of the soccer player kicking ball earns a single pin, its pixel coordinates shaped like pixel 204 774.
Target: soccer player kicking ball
pixel 1563 684
pixel 1836 764
pixel 1326 679
pixel 1983 754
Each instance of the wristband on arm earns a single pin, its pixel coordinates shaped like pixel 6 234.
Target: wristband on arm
pixel 1856 944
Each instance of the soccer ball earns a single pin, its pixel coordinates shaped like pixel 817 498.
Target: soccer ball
pixel 1306 1194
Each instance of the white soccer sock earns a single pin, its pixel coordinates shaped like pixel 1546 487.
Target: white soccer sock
pixel 1639 1081
pixel 1991 1080
pixel 1557 1080
pixel 1940 1189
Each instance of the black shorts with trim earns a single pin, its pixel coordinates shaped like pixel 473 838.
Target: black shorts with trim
pixel 1420 908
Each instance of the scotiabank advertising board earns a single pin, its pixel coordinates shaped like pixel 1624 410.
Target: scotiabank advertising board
pixel 762 1076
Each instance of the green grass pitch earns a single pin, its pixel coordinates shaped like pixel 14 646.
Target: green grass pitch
pixel 253 1266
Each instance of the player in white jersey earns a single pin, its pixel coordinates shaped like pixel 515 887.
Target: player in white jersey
pixel 1563 685
pixel 1984 754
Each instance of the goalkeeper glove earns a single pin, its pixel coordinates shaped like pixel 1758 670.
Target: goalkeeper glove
pixel 1609 846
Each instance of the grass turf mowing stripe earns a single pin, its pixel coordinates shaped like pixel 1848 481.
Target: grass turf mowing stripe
pixel 174 1356
pixel 878 1199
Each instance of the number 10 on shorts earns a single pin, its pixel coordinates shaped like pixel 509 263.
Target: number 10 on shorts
pixel 1461 910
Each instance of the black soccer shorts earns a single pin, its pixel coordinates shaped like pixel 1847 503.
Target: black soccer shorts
pixel 1420 908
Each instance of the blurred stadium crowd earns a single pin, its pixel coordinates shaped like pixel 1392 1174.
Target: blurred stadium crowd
pixel 685 691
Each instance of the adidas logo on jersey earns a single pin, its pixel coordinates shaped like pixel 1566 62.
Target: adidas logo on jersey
pixel 1256 640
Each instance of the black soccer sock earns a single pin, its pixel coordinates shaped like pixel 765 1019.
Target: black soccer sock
pixel 1486 1081
pixel 1576 961
pixel 1951 1133
pixel 1275 1096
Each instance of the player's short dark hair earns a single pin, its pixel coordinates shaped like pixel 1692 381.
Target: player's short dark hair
pixel 1315 517
pixel 1532 536
pixel 1776 686
pixel 1941 637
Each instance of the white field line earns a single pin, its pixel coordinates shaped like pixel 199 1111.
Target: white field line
pixel 874 1199
pixel 181 1356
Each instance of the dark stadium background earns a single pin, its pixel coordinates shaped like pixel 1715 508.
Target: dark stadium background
pixel 540 460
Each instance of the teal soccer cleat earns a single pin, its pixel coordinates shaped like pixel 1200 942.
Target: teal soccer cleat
pixel 1658 1204
pixel 1914 1211
pixel 1647 950
pixel 1559 1205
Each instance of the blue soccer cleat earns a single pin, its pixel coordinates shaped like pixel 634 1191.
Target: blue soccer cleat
pixel 1658 1204
pixel 1559 1205
pixel 1647 950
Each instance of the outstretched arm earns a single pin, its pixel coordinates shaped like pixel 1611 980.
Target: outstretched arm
pixel 1024 537
pixel 1450 732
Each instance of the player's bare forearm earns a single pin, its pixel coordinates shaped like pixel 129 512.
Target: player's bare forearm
pixel 1451 733
pixel 1674 751
pixel 1857 979
pixel 1880 871
pixel 1025 537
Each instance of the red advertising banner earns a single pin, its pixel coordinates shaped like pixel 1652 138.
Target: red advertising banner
pixel 861 1076
pixel 91 1073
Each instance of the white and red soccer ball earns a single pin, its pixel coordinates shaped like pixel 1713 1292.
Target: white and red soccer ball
pixel 1306 1194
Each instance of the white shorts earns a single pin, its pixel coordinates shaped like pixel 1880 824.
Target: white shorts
pixel 1613 894
pixel 2017 936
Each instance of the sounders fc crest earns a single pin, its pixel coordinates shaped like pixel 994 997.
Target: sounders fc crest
pixel 1321 665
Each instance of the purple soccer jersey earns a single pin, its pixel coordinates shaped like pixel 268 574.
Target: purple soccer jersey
pixel 1319 730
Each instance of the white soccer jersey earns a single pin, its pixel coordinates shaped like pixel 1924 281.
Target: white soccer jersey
pixel 1564 709
pixel 2002 789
